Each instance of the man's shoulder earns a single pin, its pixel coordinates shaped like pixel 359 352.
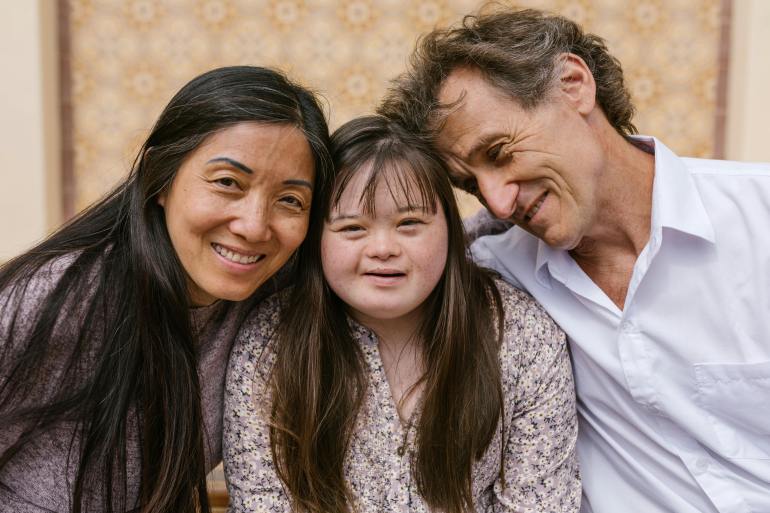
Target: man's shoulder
pixel 513 243
pixel 731 186
pixel 715 169
pixel 512 254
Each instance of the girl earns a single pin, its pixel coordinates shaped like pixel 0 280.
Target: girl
pixel 399 376
pixel 113 338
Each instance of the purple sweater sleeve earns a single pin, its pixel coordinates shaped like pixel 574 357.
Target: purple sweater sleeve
pixel 39 477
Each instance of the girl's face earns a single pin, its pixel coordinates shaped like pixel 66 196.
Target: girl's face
pixel 383 266
pixel 238 208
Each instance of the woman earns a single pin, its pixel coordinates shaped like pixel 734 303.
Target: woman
pixel 400 377
pixel 113 340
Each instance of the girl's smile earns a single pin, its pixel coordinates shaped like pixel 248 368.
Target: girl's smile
pixel 385 263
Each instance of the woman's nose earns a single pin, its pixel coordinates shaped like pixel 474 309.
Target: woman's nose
pixel 252 223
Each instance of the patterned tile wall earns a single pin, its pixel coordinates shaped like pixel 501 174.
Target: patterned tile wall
pixel 128 57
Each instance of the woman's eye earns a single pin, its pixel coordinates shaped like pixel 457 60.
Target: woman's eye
pixel 226 182
pixel 293 202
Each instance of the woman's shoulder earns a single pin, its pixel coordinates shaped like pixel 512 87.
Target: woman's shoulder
pixel 39 282
pixel 22 296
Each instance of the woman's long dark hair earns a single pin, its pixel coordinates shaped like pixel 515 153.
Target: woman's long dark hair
pixel 319 380
pixel 111 351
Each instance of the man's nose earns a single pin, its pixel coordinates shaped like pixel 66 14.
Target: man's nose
pixel 499 195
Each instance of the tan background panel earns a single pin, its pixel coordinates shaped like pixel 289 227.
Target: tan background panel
pixel 127 58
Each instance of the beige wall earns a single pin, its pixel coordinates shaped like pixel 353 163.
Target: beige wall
pixel 29 194
pixel 748 106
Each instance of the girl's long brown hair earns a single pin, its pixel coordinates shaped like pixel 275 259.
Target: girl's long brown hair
pixel 319 379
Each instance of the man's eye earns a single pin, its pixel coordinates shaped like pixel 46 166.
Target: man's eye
pixel 494 151
pixel 470 186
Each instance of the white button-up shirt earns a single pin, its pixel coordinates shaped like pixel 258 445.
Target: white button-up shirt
pixel 674 390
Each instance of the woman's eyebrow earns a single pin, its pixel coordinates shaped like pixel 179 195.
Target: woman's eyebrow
pixel 303 183
pixel 243 167
pixel 233 163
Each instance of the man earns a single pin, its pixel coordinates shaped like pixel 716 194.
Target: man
pixel 656 266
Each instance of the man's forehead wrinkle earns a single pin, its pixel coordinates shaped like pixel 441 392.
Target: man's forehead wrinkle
pixel 459 138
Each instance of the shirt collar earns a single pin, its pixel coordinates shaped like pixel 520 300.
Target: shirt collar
pixel 676 204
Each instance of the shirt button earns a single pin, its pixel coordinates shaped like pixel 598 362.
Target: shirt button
pixel 627 326
pixel 401 450
pixel 701 465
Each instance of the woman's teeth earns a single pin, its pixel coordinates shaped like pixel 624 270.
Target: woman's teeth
pixel 236 257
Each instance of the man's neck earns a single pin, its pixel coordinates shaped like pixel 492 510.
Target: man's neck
pixel 609 251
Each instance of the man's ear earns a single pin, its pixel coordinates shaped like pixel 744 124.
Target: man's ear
pixel 577 83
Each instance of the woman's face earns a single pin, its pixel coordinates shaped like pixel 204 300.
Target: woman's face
pixel 383 266
pixel 238 207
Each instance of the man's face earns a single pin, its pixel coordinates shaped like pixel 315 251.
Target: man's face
pixel 540 168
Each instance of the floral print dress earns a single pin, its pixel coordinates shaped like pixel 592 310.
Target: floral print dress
pixel 535 440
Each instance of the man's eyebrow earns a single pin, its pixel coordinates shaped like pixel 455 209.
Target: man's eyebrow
pixel 482 141
pixel 233 163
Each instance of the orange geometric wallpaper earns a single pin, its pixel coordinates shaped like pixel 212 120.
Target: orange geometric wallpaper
pixel 128 57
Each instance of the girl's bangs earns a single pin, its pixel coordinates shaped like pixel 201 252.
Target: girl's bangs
pixel 409 178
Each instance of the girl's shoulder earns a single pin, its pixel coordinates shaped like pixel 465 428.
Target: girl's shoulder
pixel 253 352
pixel 262 320
pixel 528 331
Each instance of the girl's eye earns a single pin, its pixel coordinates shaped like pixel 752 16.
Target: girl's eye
pixel 351 228
pixel 411 222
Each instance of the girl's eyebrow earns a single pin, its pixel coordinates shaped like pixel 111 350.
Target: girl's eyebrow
pixel 411 208
pixel 342 217
pixel 401 210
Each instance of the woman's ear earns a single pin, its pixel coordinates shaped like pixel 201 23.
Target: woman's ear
pixel 577 83
pixel 162 199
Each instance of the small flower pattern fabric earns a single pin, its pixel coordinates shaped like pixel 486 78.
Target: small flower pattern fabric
pixel 535 440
